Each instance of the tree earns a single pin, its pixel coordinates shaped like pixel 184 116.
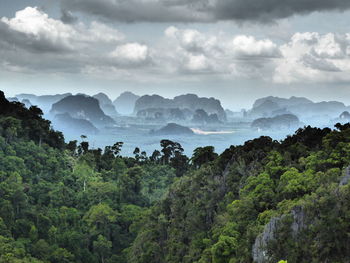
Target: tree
pixel 72 146
pixel 203 155
pixel 116 148
pixel 9 128
pixel 100 219
pixel 103 247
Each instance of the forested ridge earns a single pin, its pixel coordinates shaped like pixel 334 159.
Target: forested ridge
pixel 264 201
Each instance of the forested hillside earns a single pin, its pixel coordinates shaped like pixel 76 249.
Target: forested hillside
pixel 264 201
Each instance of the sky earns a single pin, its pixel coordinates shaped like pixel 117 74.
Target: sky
pixel 233 50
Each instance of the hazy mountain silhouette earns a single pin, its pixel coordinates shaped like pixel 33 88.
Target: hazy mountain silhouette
pixel 44 102
pixel 106 104
pixel 66 123
pixel 82 107
pixel 125 103
pixel 190 102
pixel 173 129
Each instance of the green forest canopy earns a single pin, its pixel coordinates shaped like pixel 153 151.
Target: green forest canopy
pixel 266 200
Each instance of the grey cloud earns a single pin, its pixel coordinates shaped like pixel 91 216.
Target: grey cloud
pixel 202 10
pixel 67 17
pixel 269 10
pixel 319 64
pixel 135 10
pixel 12 40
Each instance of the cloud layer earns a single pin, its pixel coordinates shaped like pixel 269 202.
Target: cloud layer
pixel 34 42
pixel 202 10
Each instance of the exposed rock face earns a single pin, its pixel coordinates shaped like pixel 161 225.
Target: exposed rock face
pixel 346 178
pixel 44 102
pixel 259 250
pixel 82 107
pixel 173 129
pixel 281 121
pixel 189 102
pixel 67 124
pixel 106 104
pixel 125 103
pixel 299 220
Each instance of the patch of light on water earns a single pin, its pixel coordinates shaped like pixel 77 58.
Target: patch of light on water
pixel 201 132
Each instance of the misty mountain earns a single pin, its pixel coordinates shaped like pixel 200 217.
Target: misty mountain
pixel 190 102
pixel 173 129
pixel 67 124
pixel 125 103
pixel 82 107
pixel 202 117
pixel 106 104
pixel 27 103
pixel 44 102
pixel 282 102
pixel 306 110
pixel 285 121
pixel 165 114
pixel 12 99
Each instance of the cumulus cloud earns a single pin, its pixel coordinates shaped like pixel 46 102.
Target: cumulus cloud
pixel 202 10
pixel 239 55
pixel 34 30
pixel 33 41
pixel 247 46
pixel 131 54
pixel 312 57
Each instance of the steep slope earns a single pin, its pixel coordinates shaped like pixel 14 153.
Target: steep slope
pixel 44 102
pixel 285 195
pixel 82 107
pixel 106 104
pixel 188 102
pixel 125 103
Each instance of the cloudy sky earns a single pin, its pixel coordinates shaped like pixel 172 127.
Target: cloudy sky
pixel 234 50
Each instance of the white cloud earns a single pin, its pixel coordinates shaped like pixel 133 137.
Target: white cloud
pixel 241 56
pixel 37 26
pixel 247 46
pixel 197 63
pixel 131 53
pixel 312 57
pixel 47 34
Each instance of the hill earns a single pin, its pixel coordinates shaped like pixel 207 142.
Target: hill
pixel 125 103
pixel 173 129
pixel 263 201
pixel 44 102
pixel 106 104
pixel 82 107
pixel 188 102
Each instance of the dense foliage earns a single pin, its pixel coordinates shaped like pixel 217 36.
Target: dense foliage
pixel 69 203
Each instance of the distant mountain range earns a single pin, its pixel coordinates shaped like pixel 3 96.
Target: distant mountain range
pixel 185 107
pixel 306 110
pixel 44 102
pixel 100 111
